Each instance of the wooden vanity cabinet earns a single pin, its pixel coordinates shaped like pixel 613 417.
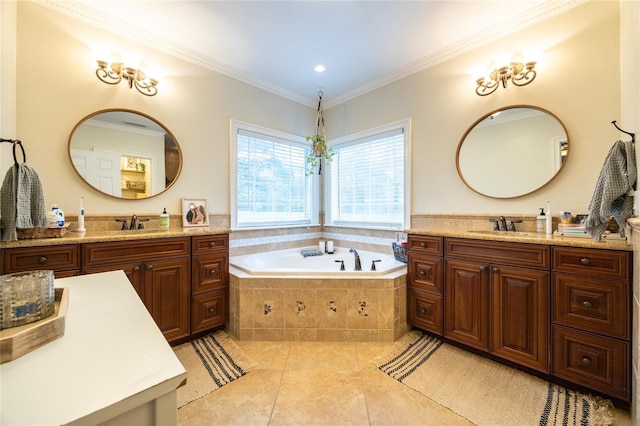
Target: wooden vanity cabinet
pixel 210 282
pixel 63 260
pixel 160 271
pixel 591 316
pixel 497 299
pixel 424 283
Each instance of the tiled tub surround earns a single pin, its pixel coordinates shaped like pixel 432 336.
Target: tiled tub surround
pixel 332 308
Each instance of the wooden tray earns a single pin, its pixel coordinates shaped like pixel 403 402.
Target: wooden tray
pixel 18 341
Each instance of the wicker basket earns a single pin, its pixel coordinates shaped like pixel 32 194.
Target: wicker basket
pixel 31 233
pixel 399 252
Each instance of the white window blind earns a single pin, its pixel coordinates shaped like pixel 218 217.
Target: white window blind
pixel 272 188
pixel 368 181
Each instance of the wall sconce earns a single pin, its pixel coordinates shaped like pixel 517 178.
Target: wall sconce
pixel 519 73
pixel 115 72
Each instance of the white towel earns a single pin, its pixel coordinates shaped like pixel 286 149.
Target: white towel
pixel 22 202
pixel 613 194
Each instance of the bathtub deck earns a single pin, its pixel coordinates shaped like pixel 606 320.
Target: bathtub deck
pixel 317 309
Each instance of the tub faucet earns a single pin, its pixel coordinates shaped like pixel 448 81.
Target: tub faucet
pixel 357 258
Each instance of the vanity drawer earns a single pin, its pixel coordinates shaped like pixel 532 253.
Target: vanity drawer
pixel 499 252
pixel 594 262
pixel 591 304
pixel 425 272
pixel 597 362
pixel 115 253
pixel 56 258
pixel 424 310
pixel 209 310
pixel 209 244
pixel 425 244
pixel 209 272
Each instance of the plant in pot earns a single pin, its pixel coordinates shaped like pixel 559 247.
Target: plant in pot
pixel 319 150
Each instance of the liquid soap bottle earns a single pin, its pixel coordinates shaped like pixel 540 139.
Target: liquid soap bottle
pixel 541 222
pixel 164 219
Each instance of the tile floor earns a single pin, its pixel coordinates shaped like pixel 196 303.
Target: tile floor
pixel 320 383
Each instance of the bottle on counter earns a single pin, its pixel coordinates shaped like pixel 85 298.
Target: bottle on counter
pixel 541 222
pixel 164 219
pixel 549 222
pixel 55 218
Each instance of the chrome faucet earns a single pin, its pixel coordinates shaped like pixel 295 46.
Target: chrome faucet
pixel 357 258
pixel 503 223
pixel 133 225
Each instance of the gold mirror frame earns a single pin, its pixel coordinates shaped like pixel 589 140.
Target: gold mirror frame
pixel 129 142
pixel 484 164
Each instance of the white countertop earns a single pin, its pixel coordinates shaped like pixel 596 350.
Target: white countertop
pixel 111 358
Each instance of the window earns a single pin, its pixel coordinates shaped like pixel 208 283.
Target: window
pixel 270 187
pixel 368 178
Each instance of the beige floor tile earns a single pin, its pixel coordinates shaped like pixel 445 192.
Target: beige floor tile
pixel 267 355
pixel 248 400
pixel 322 356
pixel 320 398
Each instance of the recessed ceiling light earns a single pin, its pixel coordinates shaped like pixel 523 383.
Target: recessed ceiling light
pixel 319 68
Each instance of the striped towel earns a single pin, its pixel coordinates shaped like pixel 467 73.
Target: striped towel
pixel 21 202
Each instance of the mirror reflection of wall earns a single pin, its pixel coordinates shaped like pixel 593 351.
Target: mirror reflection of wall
pixel 125 154
pixel 512 152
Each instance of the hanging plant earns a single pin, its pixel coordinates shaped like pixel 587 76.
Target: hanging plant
pixel 319 148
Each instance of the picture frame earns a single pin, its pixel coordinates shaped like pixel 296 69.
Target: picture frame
pixel 194 213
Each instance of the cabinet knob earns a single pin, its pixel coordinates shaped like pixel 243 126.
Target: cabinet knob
pixel 423 311
pixel 212 272
pixel 483 268
pixel 587 304
pixel 149 267
pixel 136 269
pixel 212 244
pixel 496 270
pixel 422 273
pixel 42 260
pixel 211 310
pixel 586 360
pixel 585 261
pixel 423 244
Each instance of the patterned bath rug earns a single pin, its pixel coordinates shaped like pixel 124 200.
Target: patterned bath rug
pixel 211 362
pixel 486 392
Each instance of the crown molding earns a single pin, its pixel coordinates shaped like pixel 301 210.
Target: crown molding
pixel 93 17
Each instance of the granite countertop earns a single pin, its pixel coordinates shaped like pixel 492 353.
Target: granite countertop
pixel 525 237
pixel 74 237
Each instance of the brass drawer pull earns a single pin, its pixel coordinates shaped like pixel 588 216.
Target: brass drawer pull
pixel 496 270
pixel 212 272
pixel 587 304
pixel 136 269
pixel 211 310
pixel 149 267
pixel 586 360
pixel 484 268
pixel 422 273
pixel 212 244
pixel 423 311
pixel 423 244
pixel 42 260
pixel 585 261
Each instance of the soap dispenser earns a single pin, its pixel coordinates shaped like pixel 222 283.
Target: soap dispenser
pixel 541 222
pixel 164 219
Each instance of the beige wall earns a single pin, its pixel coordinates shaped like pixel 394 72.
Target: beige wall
pixel 57 87
pixel 578 80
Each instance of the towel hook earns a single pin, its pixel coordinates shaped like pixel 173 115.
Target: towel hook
pixel 633 135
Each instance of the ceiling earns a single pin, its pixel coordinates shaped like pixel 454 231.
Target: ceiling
pixel 275 45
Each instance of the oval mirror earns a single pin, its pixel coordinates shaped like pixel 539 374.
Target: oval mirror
pixel 512 152
pixel 125 154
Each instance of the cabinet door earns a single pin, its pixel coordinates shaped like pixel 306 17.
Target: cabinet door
pixel 520 322
pixel 134 272
pixel 167 290
pixel 467 303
